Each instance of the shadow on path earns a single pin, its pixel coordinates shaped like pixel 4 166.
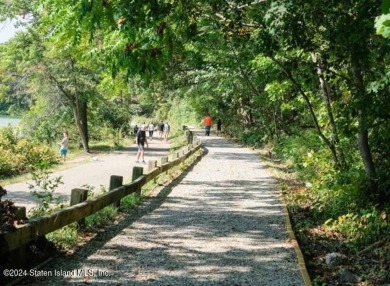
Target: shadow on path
pixel 206 228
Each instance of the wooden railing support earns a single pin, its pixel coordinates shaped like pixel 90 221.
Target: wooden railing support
pixel 162 161
pixel 152 164
pixel 137 172
pixel 78 196
pixel 115 182
pixel 190 137
pixel 81 208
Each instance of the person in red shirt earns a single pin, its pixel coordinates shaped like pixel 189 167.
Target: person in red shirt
pixel 208 121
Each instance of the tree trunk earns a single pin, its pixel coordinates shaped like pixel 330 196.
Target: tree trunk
pixel 80 115
pixel 326 95
pixel 364 147
pixel 363 140
pixel 299 89
pixel 79 108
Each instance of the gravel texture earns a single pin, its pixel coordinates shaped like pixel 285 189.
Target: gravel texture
pixel 222 223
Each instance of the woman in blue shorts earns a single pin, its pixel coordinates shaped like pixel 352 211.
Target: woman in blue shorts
pixel 64 146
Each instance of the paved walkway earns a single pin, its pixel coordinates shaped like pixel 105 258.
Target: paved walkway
pixel 94 171
pixel 222 223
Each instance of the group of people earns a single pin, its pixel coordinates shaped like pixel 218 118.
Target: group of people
pixel 162 128
pixel 163 131
pixel 141 138
pixel 208 122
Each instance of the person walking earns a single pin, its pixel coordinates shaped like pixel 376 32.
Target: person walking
pixel 141 141
pixel 64 146
pixel 151 131
pixel 219 126
pixel 167 128
pixel 208 121
pixel 160 130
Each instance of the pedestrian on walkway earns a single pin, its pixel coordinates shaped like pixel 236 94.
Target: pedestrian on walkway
pixel 151 130
pixel 160 130
pixel 208 121
pixel 64 144
pixel 219 125
pixel 141 140
pixel 167 128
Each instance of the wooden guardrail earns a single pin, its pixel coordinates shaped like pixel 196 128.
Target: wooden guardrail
pixel 36 228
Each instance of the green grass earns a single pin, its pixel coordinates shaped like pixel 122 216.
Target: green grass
pixel 131 201
pixel 101 218
pixel 65 237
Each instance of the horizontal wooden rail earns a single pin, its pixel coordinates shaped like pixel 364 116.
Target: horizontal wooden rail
pixel 41 226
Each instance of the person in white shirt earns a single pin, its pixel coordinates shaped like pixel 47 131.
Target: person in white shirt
pixel 151 130
pixel 64 146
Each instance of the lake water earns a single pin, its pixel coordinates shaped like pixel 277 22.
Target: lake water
pixel 4 121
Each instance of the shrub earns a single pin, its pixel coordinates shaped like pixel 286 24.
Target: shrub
pixel 305 154
pixel 5 162
pixel 362 227
pixel 43 189
pixel 17 155
pixel 253 137
pixel 33 153
pixel 7 137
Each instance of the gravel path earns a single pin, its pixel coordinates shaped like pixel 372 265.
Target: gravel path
pixel 222 223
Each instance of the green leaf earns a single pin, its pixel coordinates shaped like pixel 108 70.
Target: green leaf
pixel 385 6
pixel 382 25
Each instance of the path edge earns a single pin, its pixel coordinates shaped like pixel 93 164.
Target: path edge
pixel 295 244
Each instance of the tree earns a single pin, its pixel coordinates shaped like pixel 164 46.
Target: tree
pixel 343 48
pixel 323 54
pixel 14 95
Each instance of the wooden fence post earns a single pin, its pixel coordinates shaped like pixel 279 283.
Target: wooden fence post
pixel 190 137
pixel 137 172
pixel 18 257
pixel 12 242
pixel 162 160
pixel 78 196
pixel 115 182
pixel 152 164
